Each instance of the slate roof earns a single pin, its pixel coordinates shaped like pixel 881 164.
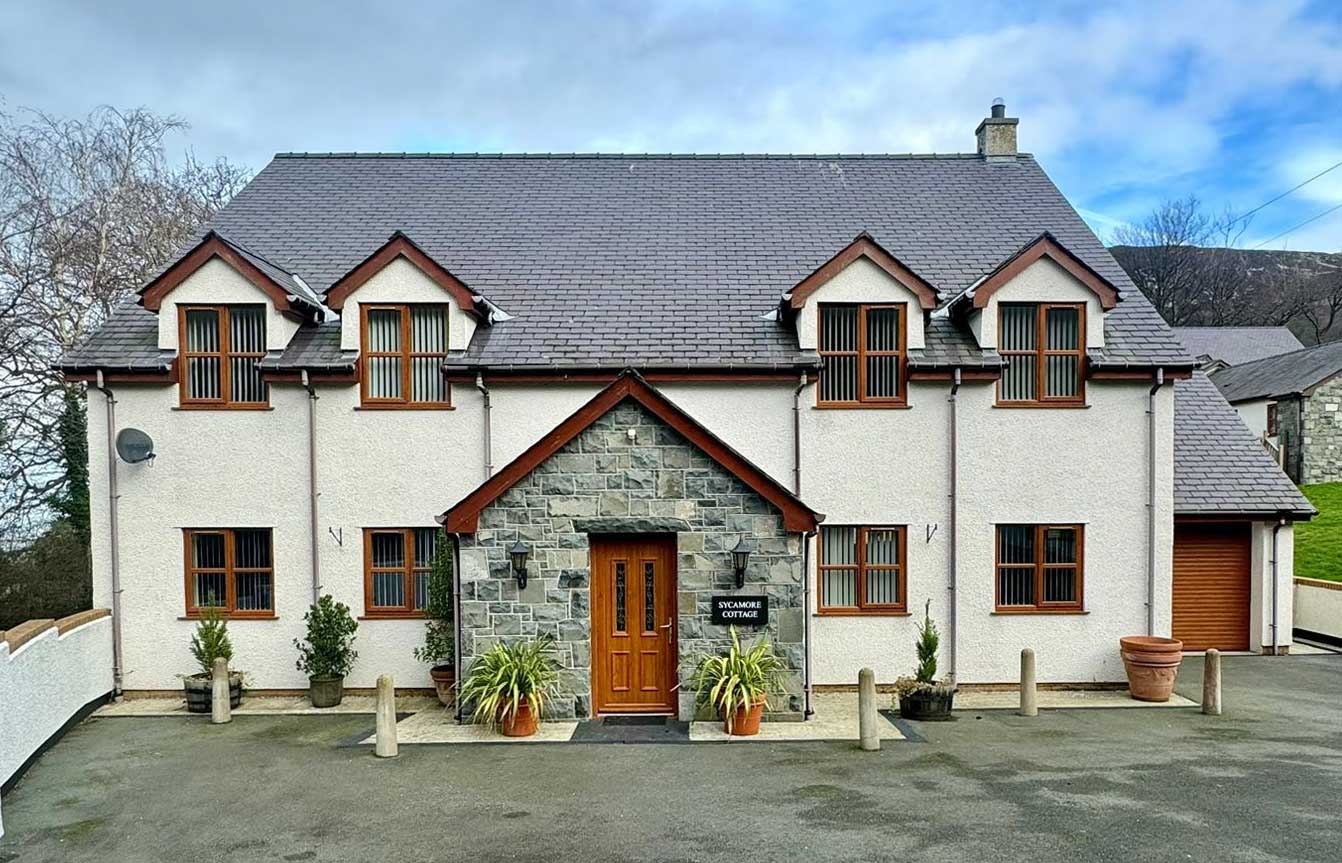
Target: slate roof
pixel 1236 345
pixel 127 341
pixel 1281 375
pixel 615 261
pixel 313 347
pixel 1219 467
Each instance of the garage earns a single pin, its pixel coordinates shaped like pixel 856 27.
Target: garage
pixel 1211 586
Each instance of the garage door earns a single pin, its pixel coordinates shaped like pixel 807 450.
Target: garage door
pixel 1211 586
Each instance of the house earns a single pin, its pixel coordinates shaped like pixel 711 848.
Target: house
pixel 1293 400
pixel 1217 348
pixel 882 384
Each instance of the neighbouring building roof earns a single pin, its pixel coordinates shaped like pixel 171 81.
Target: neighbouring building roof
pixel 1294 373
pixel 615 261
pixel 1235 345
pixel 1219 468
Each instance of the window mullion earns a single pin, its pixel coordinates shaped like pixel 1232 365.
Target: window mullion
pixel 861 558
pixel 405 355
pixel 225 361
pixel 230 589
pixel 408 576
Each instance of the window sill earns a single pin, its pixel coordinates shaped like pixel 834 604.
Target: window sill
pixel 393 616
pixel 223 408
pixel 1041 405
pixel 232 618
pixel 416 407
pixel 857 612
pixel 1012 612
pixel 863 406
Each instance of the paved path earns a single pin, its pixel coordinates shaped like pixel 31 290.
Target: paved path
pixel 1260 783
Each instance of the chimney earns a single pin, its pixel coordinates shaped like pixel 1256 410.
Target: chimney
pixel 997 134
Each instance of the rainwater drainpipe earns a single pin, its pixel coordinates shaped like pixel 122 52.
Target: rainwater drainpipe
pixel 1276 646
pixel 312 486
pixel 456 616
pixel 489 447
pixel 1151 502
pixel 807 712
pixel 796 435
pixel 954 399
pixel 114 533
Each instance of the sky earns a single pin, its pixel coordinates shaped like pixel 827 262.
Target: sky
pixel 1125 104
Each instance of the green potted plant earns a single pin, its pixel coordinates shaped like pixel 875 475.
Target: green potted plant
pixel 737 684
pixel 327 654
pixel 439 648
pixel 208 643
pixel 923 696
pixel 510 685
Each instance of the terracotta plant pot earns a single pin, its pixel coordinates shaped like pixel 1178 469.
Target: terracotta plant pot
pixel 746 721
pixel 445 681
pixel 1152 664
pixel 326 691
pixel 522 723
pixel 199 691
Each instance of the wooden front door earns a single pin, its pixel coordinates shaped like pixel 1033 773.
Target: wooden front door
pixel 1211 586
pixel 634 624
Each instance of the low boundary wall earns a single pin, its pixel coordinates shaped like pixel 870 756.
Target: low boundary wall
pixel 1318 610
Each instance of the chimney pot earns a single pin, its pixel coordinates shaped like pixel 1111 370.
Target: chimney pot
pixel 996 134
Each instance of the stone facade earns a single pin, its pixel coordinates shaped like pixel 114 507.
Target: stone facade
pixel 1320 457
pixel 605 481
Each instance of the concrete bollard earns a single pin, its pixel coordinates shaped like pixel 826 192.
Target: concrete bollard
pixel 385 747
pixel 1029 697
pixel 220 702
pixel 869 735
pixel 1211 683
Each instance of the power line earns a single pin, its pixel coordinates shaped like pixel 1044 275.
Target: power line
pixel 1299 226
pixel 1332 167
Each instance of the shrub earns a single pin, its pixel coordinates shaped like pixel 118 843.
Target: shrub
pixel 210 640
pixel 328 650
pixel 501 678
pixel 439 642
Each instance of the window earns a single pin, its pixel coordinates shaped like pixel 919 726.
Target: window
pixel 230 569
pixel 1039 567
pixel 862 348
pixel 862 570
pixel 1271 419
pixel 1044 346
pixel 220 349
pixel 403 352
pixel 396 570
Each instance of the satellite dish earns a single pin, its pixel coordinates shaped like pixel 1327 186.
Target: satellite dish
pixel 134 446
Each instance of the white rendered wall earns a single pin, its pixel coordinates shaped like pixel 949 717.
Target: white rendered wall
pixel 1041 282
pixel 403 282
pixel 45 682
pixel 217 283
pixel 1260 586
pixel 1254 414
pixel 860 282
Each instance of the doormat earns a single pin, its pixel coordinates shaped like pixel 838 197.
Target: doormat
pixel 632 729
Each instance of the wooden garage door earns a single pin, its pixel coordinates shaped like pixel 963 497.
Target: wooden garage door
pixel 1211 586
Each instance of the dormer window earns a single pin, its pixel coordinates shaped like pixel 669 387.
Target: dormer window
pixel 220 347
pixel 1044 347
pixel 404 347
pixel 862 348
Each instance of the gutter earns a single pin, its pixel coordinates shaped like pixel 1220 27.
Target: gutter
pixel 489 446
pixel 114 534
pixel 1151 502
pixel 954 399
pixel 312 486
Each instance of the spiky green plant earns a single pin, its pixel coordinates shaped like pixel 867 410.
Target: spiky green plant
pixel 501 678
pixel 739 678
pixel 928 640
pixel 210 640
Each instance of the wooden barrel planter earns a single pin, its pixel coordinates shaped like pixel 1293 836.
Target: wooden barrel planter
pixel 200 692
pixel 932 704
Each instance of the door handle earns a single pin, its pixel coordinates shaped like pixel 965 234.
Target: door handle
pixel 666 625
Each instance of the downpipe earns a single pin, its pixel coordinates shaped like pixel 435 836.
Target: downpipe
pixel 796 435
pixel 807 710
pixel 954 399
pixel 312 487
pixel 489 446
pixel 114 534
pixel 456 618
pixel 1151 502
pixel 1276 642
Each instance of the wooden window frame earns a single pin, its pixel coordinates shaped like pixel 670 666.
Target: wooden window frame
pixel 863 401
pixel 1040 606
pixel 1271 419
pixel 230 572
pixel 406 356
pixel 1041 353
pixel 225 355
pixel 387 612
pixel 861 567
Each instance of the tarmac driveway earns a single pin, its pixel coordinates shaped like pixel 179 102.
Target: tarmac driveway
pixel 1263 782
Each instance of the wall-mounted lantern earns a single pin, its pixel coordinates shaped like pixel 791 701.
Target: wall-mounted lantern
pixel 741 558
pixel 519 554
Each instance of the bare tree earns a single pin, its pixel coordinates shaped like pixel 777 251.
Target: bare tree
pixel 89 209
